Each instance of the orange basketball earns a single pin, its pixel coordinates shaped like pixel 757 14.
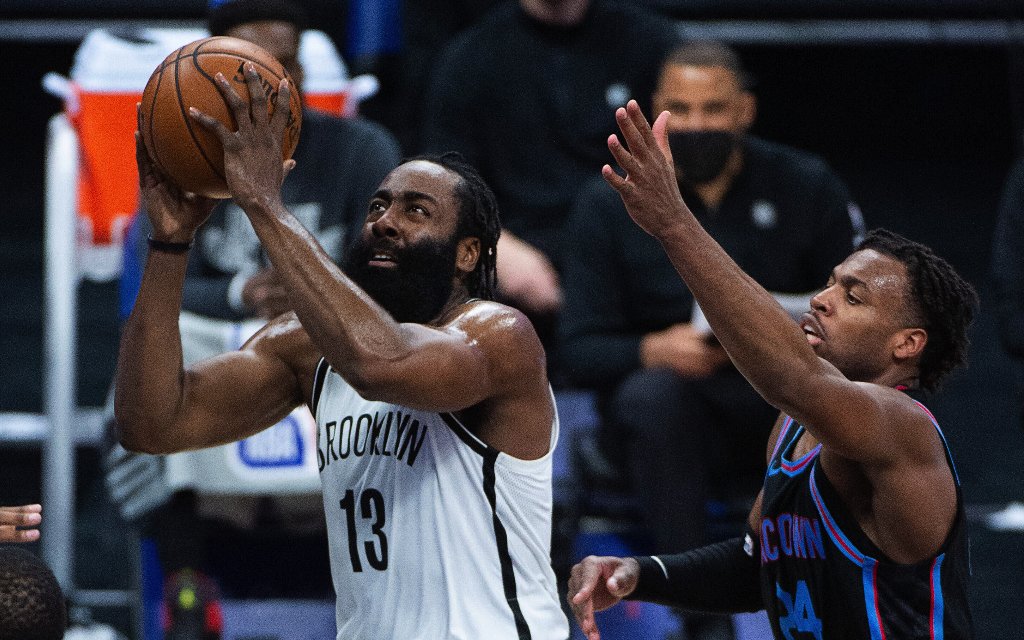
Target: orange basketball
pixel 182 148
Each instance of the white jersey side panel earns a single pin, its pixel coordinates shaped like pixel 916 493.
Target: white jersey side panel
pixel 432 533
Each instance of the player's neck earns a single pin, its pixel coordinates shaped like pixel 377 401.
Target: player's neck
pixel 458 297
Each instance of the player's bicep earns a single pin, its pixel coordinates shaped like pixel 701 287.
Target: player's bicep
pixel 857 420
pixel 236 394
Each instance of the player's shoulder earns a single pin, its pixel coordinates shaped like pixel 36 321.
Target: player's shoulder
pixel 497 326
pixel 491 315
pixel 285 338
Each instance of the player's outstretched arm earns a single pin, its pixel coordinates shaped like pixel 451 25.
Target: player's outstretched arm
pixel 769 349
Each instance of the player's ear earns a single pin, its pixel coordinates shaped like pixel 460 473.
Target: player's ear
pixel 909 343
pixel 467 254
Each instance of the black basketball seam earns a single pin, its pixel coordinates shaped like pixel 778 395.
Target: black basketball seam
pixel 154 152
pixel 188 120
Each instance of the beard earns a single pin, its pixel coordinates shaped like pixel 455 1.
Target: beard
pixel 416 288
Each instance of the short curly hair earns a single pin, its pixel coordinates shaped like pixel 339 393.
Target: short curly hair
pixel 32 606
pixel 943 303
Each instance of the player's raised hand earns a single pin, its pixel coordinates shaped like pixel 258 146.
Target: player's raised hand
pixel 19 524
pixel 175 214
pixel 649 189
pixel 252 155
pixel 596 583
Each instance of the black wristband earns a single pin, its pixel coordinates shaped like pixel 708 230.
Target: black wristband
pixel 168 247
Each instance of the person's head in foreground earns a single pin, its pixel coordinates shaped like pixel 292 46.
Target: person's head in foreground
pixel 274 25
pixel 32 606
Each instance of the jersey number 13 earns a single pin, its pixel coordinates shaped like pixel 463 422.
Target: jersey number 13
pixel 371 507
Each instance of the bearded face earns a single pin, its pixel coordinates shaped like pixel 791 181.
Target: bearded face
pixel 412 282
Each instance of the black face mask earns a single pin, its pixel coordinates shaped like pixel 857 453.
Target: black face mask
pixel 700 156
pixel 417 288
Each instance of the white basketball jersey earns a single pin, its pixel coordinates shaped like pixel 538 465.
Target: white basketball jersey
pixel 433 534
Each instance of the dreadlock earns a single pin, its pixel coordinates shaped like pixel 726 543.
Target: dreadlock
pixel 478 218
pixel 31 603
pixel 943 303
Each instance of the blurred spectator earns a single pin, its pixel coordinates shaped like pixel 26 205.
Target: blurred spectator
pixel 674 409
pixel 528 96
pixel 1008 296
pixel 339 164
pixel 426 26
pixel 32 606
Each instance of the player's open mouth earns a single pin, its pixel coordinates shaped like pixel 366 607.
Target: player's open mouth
pixel 812 330
pixel 383 259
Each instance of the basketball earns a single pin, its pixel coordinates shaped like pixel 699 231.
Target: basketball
pixel 181 147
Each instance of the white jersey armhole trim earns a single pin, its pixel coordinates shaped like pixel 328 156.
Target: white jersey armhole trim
pixel 509 461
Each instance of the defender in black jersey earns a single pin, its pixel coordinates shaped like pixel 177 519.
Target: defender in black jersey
pixel 859 531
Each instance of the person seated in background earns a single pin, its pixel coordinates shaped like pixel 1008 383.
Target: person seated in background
pixel 673 408
pixel 1007 275
pixel 528 96
pixel 32 605
pixel 339 164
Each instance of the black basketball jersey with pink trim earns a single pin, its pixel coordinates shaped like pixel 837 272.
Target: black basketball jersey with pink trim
pixel 822 578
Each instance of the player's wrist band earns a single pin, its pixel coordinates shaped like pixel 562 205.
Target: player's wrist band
pixel 168 247
pixel 718 578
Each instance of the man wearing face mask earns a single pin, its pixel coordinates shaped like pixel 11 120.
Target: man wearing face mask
pixel 678 421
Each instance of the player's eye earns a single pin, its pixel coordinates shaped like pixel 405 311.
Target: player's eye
pixel 852 299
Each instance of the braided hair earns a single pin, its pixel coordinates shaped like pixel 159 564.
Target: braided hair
pixel 943 303
pixel 478 218
pixel 32 606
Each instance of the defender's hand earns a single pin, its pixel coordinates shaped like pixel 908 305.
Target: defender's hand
pixel 649 190
pixel 597 583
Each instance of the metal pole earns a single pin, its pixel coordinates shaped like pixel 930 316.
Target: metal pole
pixel 60 348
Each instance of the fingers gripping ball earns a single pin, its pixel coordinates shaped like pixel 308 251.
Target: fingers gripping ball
pixel 186 152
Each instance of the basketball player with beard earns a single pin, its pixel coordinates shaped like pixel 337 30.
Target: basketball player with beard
pixel 435 418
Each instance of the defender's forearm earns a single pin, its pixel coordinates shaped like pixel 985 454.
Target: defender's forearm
pixel 149 385
pixel 757 332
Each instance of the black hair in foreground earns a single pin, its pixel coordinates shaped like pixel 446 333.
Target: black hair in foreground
pixel 943 302
pixel 478 218
pixel 225 15
pixel 32 606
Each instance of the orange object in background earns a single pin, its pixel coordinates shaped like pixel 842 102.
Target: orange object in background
pixel 107 80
